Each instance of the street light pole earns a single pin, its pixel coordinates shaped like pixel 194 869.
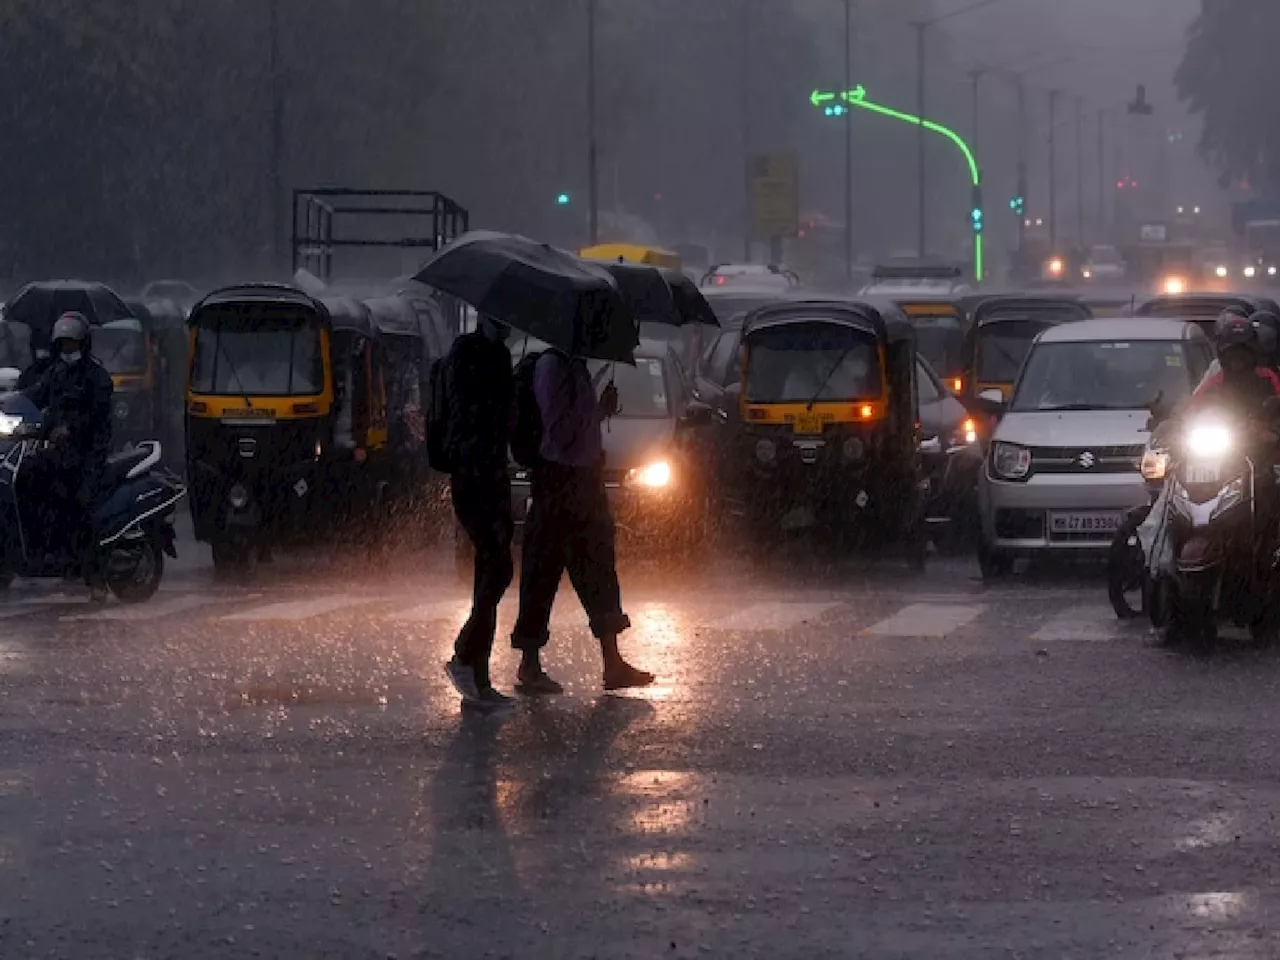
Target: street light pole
pixel 922 243
pixel 848 142
pixel 976 76
pixel 275 178
pixel 747 230
pixel 1103 232
pixel 593 155
pixel 1080 234
pixel 1053 168
pixel 1022 161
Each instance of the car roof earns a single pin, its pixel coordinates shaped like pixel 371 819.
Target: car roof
pixel 1121 328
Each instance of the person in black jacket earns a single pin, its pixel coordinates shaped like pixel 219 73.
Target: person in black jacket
pixel 75 395
pixel 479 387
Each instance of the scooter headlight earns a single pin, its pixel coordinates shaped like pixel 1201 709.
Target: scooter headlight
pixel 1155 464
pixel 9 422
pixel 1208 439
pixel 238 497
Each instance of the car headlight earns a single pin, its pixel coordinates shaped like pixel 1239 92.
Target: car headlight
pixel 1174 286
pixel 1222 272
pixel 1208 439
pixel 1056 266
pixel 9 422
pixel 655 475
pixel 1271 271
pixel 1251 271
pixel 238 497
pixel 1010 461
pixel 1155 464
pixel 1087 273
pixel 766 451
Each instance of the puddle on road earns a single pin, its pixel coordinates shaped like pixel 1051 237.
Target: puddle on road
pixel 305 695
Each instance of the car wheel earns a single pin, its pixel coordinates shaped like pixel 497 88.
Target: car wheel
pixel 993 563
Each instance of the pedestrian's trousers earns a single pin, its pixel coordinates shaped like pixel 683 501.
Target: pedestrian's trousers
pixel 569 528
pixel 483 507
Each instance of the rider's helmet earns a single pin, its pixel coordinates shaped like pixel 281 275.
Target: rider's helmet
pixel 71 326
pixel 1237 341
pixel 1268 327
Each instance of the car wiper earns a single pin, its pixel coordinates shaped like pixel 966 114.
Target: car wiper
pixel 827 379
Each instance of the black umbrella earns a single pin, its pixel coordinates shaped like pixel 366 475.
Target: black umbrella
pixel 538 290
pixel 657 295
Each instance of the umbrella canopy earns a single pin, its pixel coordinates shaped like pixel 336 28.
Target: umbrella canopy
pixel 690 302
pixel 538 290
pixel 661 296
pixel 39 305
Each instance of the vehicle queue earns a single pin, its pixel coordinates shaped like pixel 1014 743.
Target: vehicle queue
pixel 1017 421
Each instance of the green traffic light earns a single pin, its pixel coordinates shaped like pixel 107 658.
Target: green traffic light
pixel 562 200
pixel 857 97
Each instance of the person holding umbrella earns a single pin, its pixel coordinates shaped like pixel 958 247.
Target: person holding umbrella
pixel 578 310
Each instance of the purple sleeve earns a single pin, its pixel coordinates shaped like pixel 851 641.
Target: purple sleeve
pixel 545 374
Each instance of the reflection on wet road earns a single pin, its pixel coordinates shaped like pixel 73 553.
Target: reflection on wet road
pixel 835 762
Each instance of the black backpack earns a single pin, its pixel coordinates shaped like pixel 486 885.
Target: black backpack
pixel 526 434
pixel 439 452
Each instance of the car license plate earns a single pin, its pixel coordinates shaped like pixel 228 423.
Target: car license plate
pixel 1083 522
pixel 1202 473
pixel 808 423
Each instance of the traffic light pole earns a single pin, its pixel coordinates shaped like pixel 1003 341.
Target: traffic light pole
pixel 848 142
pixel 1053 168
pixel 1080 236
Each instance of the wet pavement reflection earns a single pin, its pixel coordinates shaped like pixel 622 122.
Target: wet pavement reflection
pixel 837 760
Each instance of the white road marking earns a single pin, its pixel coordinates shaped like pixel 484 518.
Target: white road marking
pixel 779 615
pixel 1090 623
pixel 933 620
pixel 153 610
pixel 299 609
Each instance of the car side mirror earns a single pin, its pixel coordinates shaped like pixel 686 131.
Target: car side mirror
pixel 697 414
pixel 990 402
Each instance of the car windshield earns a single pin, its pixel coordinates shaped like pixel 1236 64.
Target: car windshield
pixel 642 389
pixel 257 350
pixel 1003 346
pixel 121 346
pixel 804 362
pixel 1103 375
pixel 940 340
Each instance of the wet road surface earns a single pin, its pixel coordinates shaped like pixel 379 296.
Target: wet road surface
pixel 843 761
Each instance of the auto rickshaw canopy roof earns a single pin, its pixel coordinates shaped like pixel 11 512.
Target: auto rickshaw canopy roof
pixel 883 320
pixel 261 293
pixel 631 253
pixel 986 309
pixel 1202 304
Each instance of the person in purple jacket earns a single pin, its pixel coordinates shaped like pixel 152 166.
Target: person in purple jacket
pixel 570 527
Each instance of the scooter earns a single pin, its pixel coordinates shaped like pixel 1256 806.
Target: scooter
pixel 1128 577
pixel 134 521
pixel 1225 565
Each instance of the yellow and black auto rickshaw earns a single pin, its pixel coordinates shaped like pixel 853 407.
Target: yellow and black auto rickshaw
pixel 285 406
pixel 940 324
pixel 829 421
pixel 1001 331
pixel 139 353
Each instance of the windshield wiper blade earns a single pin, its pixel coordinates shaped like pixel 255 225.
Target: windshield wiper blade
pixel 827 379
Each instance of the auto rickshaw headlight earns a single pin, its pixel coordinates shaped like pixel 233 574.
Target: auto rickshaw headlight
pixel 966 434
pixel 1010 461
pixel 766 451
pixel 238 497
pixel 854 449
pixel 121 410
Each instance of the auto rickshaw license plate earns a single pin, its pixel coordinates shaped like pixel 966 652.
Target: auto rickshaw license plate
pixel 808 423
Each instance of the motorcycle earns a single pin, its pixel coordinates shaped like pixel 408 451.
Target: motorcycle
pixel 1226 567
pixel 133 523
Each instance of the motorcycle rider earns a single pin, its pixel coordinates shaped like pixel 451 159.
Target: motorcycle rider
pixel 1241 379
pixel 75 395
pixel 1268 327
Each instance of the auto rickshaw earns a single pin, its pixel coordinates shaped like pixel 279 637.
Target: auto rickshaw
pixel 940 326
pixel 828 417
pixel 1001 331
pixel 1203 309
pixel 631 253
pixel 282 407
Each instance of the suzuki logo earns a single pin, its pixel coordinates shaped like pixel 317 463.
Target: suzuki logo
pixel 1087 460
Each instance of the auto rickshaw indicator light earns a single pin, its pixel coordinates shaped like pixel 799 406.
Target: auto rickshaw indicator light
pixel 957 384
pixel 866 411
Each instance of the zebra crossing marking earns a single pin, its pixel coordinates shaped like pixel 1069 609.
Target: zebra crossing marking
pixel 1094 623
pixel 775 615
pixel 292 610
pixel 931 620
pixel 152 610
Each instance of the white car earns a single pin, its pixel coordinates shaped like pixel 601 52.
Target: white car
pixel 1104 265
pixel 1063 466
pixel 757 275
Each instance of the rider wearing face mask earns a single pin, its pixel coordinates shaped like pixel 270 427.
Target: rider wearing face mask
pixel 75 395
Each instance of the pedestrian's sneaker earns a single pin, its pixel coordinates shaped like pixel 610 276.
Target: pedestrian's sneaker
pixel 463 678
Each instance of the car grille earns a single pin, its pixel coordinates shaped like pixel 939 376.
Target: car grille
pixel 1085 460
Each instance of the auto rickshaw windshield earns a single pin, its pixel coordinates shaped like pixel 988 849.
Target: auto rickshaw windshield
pixel 121 346
pixel 270 350
pixel 940 340
pixel 1003 346
pixel 812 362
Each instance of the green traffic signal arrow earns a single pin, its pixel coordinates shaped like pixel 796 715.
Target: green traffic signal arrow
pixel 818 98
